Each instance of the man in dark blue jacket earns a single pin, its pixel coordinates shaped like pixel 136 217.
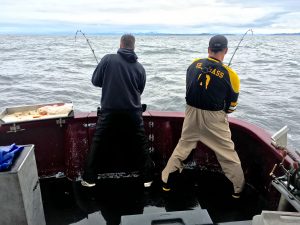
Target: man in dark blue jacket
pixel 119 142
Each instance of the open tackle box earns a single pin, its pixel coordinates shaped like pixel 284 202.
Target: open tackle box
pixel 36 112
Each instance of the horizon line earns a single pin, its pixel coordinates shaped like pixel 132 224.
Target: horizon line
pixel 137 33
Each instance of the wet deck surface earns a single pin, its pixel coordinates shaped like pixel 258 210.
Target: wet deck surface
pixel 67 202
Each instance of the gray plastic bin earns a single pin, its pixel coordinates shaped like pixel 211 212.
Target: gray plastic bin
pixel 20 195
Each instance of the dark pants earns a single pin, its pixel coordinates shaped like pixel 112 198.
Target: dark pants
pixel 119 144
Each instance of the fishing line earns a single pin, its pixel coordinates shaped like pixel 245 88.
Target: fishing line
pixel 239 45
pixel 87 40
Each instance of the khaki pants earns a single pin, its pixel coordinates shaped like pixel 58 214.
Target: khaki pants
pixel 212 129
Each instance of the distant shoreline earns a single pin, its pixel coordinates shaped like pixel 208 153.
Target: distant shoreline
pixel 138 33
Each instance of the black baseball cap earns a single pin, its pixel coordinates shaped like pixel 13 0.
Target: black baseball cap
pixel 218 42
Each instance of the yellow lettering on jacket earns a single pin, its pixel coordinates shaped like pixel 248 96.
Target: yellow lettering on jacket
pixel 216 72
pixel 199 65
pixel 220 74
pixel 199 76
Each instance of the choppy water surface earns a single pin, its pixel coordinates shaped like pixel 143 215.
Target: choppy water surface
pixel 42 69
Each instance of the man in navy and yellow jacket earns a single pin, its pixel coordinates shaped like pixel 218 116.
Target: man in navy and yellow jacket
pixel 212 90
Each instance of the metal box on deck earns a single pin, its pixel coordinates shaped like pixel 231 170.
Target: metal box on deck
pixel 20 195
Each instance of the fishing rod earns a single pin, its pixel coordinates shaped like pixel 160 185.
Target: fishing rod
pixel 87 40
pixel 239 45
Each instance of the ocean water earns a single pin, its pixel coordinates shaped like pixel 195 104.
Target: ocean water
pixel 43 69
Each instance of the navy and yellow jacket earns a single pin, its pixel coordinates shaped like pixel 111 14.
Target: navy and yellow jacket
pixel 211 85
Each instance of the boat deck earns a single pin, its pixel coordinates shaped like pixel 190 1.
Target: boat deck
pixel 67 202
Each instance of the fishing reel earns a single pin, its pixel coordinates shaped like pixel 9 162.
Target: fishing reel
pixel 289 183
pixel 291 177
pixel 295 178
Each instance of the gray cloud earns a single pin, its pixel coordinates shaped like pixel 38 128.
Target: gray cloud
pixel 176 16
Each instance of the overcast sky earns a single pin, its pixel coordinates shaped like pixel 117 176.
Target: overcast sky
pixel 162 16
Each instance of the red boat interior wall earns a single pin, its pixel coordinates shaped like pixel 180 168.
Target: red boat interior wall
pixel 62 146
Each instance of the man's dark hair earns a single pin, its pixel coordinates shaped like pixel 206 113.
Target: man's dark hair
pixel 128 41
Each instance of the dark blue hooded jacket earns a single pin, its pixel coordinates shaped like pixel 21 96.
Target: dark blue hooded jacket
pixel 122 79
